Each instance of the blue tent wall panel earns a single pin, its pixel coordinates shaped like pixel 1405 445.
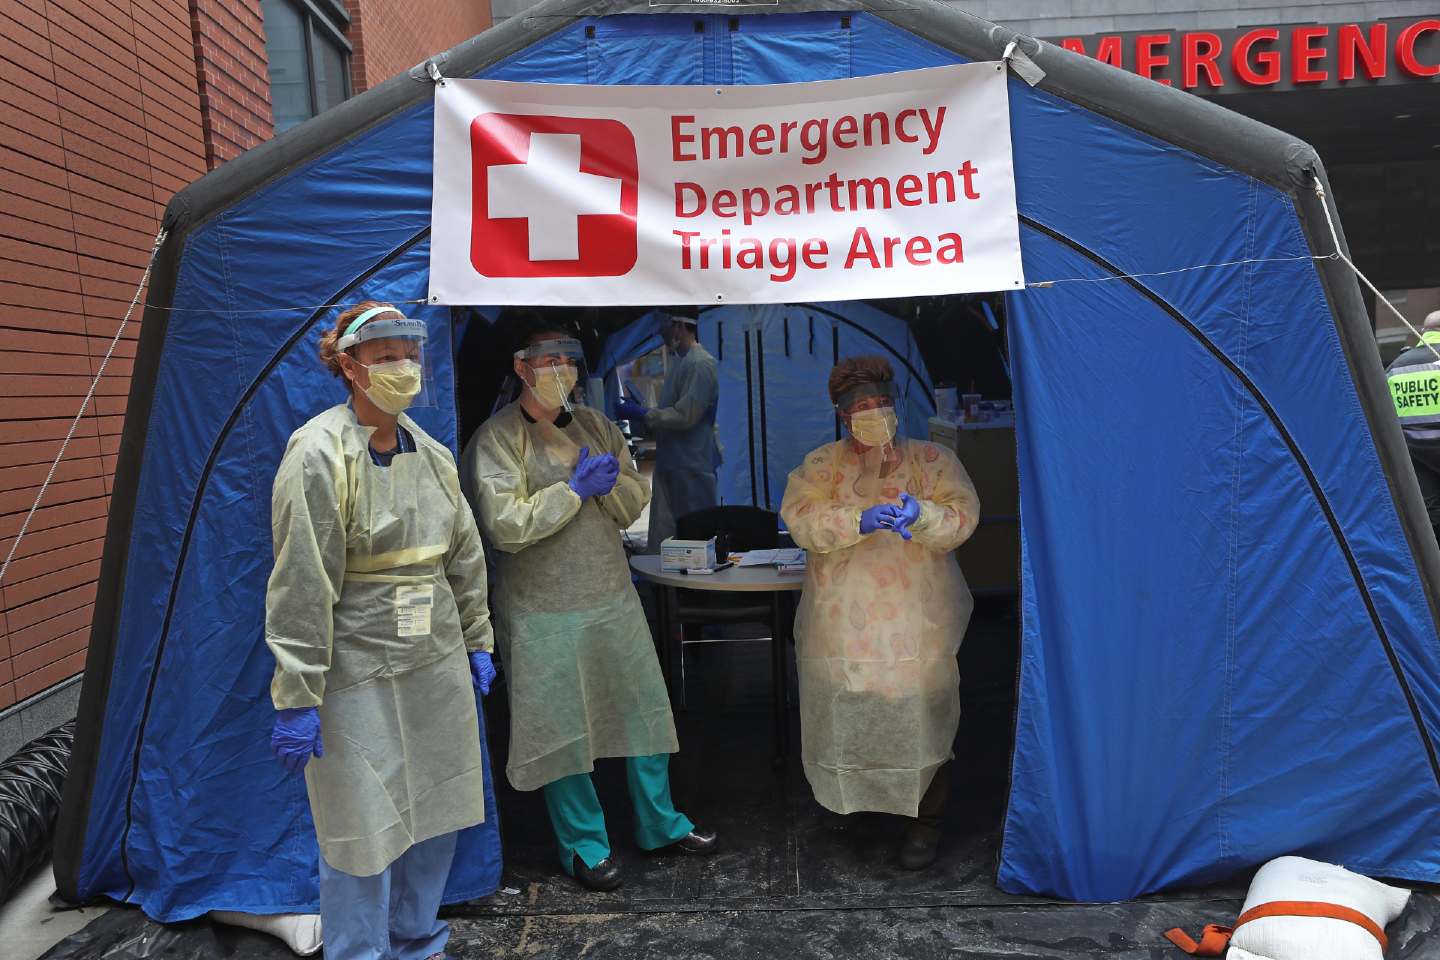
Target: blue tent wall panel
pixel 641 50
pixel 880 47
pixel 1170 686
pixel 725 333
pixel 1278 329
pixel 1271 319
pixel 1233 653
pixel 1080 703
pixel 811 49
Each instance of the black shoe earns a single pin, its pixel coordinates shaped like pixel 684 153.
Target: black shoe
pixel 694 842
pixel 920 847
pixel 602 878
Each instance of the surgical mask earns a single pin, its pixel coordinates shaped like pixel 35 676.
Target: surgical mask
pixel 553 385
pixel 875 427
pixel 393 386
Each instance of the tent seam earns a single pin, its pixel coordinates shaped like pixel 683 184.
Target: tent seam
pixel 1369 453
pixel 1231 639
pixel 591 41
pixel 730 55
pixel 850 50
pixel 221 234
pixel 1332 336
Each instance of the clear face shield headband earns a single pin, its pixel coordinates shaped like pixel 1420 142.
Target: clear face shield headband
pixel 391 348
pixel 673 325
pixel 557 374
pixel 871 414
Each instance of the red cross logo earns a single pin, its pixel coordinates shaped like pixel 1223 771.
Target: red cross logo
pixel 553 196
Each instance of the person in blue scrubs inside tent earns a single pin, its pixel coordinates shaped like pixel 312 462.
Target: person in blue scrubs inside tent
pixel 687 452
pixel 553 486
pixel 376 614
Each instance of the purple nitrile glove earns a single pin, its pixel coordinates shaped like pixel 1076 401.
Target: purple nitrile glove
pixel 879 517
pixel 482 671
pixel 610 472
pixel 296 737
pixel 909 512
pixel 590 476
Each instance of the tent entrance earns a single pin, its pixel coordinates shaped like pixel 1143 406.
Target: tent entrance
pixel 775 361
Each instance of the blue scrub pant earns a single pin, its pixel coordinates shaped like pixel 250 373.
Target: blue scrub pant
pixel 580 823
pixel 392 915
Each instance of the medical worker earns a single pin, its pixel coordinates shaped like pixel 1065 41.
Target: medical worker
pixel 1411 378
pixel 552 486
pixel 883 611
pixel 686 451
pixel 377 617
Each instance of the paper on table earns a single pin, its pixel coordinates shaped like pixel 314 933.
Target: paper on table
pixel 772 558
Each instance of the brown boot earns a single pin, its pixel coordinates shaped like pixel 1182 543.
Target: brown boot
pixel 922 836
pixel 921 845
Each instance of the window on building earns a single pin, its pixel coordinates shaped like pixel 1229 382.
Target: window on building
pixel 309 58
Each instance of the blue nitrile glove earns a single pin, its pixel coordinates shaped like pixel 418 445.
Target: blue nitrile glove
pixel 879 517
pixel 296 737
pixel 482 671
pixel 908 513
pixel 592 475
pixel 609 473
pixel 628 409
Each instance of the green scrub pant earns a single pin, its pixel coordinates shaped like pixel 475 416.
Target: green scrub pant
pixel 580 823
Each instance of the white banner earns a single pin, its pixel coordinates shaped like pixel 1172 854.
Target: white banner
pixel 894 185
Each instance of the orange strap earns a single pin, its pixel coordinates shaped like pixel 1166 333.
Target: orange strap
pixel 1214 939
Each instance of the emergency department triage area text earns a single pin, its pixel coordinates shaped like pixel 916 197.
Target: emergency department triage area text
pixel 840 189
pixel 813 140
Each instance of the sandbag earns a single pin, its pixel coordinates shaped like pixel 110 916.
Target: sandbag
pixel 299 931
pixel 1297 880
pixel 30 786
pixel 1300 909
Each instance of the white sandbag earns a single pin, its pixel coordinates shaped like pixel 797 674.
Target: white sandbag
pixel 1295 879
pixel 299 931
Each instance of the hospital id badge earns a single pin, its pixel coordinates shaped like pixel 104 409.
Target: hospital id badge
pixel 413 603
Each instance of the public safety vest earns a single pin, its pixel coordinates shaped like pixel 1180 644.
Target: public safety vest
pixel 1414 380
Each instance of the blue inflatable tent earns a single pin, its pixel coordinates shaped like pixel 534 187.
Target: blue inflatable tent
pixel 1229 583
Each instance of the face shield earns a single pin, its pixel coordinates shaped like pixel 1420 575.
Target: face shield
pixel 391 348
pixel 554 372
pixel 871 414
pixel 674 328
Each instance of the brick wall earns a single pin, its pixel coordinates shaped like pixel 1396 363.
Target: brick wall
pixel 99 125
pixel 229 60
pixel 107 108
pixel 390 36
